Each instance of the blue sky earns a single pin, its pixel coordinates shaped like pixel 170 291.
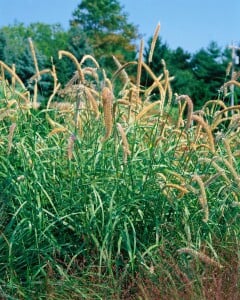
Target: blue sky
pixel 190 24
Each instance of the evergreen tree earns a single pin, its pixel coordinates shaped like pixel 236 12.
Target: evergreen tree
pixel 177 63
pixel 200 76
pixel 209 68
pixel 161 51
pixel 180 67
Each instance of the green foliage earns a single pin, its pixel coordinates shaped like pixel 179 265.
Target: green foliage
pixel 80 219
pixel 209 68
pixel 63 220
pixel 15 50
pixel 48 40
pixel 177 63
pixel 107 28
pixel 199 75
pixel 161 51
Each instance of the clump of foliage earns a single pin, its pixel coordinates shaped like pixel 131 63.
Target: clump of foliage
pixel 106 194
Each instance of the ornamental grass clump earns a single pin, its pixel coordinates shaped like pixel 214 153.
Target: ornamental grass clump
pixel 106 195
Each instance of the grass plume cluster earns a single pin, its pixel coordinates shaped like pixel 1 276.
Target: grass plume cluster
pixel 107 195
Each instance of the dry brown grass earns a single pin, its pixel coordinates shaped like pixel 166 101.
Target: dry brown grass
pixel 107 99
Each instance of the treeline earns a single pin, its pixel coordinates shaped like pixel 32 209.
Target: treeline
pixel 101 28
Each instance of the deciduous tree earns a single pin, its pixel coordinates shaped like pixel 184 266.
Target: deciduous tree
pixel 107 28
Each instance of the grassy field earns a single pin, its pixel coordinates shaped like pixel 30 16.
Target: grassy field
pixel 106 195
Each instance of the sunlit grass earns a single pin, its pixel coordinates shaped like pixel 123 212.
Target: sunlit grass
pixel 109 196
